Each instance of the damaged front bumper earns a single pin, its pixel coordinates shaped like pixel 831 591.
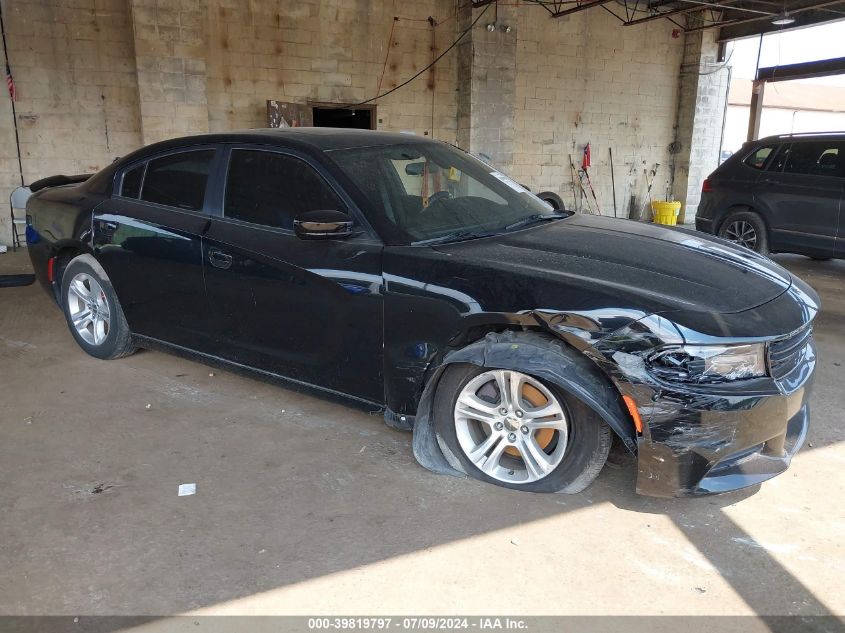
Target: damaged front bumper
pixel 711 438
pixel 708 438
pixel 700 443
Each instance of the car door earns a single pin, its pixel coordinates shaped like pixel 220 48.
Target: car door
pixel 803 191
pixel 148 236
pixel 310 310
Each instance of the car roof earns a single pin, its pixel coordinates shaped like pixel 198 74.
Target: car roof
pixel 306 138
pixel 822 136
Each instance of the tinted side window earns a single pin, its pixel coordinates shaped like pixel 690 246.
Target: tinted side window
pixel 758 159
pixel 776 163
pixel 132 182
pixel 817 158
pixel 271 189
pixel 178 180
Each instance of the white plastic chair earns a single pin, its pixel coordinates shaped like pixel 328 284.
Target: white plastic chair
pixel 17 202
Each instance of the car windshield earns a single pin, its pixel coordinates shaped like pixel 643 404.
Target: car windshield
pixel 431 192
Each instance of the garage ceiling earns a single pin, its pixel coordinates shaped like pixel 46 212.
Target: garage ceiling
pixel 734 18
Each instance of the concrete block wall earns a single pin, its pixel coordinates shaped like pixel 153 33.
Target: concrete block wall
pixel 704 84
pixel 99 78
pixel 170 37
pixel 73 62
pixel 331 51
pixel 487 84
pixel 585 78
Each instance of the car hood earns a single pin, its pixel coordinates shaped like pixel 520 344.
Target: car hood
pixel 666 269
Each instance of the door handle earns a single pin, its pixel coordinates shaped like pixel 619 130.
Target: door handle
pixel 219 259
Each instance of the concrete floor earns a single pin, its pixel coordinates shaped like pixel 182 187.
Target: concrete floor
pixel 306 506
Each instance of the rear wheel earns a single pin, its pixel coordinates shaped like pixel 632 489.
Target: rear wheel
pixel 511 429
pixel 92 310
pixel 747 229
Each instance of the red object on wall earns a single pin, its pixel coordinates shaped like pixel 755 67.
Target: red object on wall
pixel 10 84
pixel 585 162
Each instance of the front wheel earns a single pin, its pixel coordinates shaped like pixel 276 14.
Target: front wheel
pixel 747 229
pixel 92 310
pixel 511 429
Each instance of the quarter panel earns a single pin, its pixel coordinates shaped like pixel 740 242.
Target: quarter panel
pixel 58 218
pixel 733 188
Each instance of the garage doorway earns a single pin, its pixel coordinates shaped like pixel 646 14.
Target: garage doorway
pixel 360 118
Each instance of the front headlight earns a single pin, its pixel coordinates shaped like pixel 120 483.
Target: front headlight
pixel 706 363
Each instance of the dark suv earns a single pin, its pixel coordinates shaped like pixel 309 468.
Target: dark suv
pixel 780 194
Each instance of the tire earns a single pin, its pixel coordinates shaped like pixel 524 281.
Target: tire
pixel 746 229
pixel 584 448
pixel 553 199
pixel 106 335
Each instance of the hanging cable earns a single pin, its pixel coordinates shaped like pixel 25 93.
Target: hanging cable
pixel 387 54
pixel 434 61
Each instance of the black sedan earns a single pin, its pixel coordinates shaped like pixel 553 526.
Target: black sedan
pixel 514 340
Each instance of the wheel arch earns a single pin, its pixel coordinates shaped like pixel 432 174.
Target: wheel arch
pixel 64 251
pixel 535 353
pixel 742 208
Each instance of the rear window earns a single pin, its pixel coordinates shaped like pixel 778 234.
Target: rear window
pixel 178 180
pixel 132 182
pixel 760 157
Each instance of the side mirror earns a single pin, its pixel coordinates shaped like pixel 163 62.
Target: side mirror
pixel 322 225
pixel 415 169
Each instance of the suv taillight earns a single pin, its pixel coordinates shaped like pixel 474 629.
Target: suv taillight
pixel 706 186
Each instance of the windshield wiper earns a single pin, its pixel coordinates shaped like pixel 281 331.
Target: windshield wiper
pixel 537 217
pixel 454 236
pixel 460 236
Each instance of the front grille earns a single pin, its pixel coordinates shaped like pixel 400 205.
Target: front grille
pixel 786 353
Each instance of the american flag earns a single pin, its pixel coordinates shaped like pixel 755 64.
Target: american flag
pixel 10 84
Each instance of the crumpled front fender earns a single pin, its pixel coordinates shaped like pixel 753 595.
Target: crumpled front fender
pixel 532 353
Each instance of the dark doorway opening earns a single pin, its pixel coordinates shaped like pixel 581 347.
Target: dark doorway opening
pixel 360 118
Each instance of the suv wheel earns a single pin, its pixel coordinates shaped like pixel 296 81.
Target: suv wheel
pixel 747 229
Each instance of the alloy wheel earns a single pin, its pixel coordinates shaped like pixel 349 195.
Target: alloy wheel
pixel 88 308
pixel 742 233
pixel 510 426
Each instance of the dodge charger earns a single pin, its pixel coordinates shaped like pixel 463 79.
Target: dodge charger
pixel 514 340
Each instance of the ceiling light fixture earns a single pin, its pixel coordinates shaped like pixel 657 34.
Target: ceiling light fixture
pixel 783 18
